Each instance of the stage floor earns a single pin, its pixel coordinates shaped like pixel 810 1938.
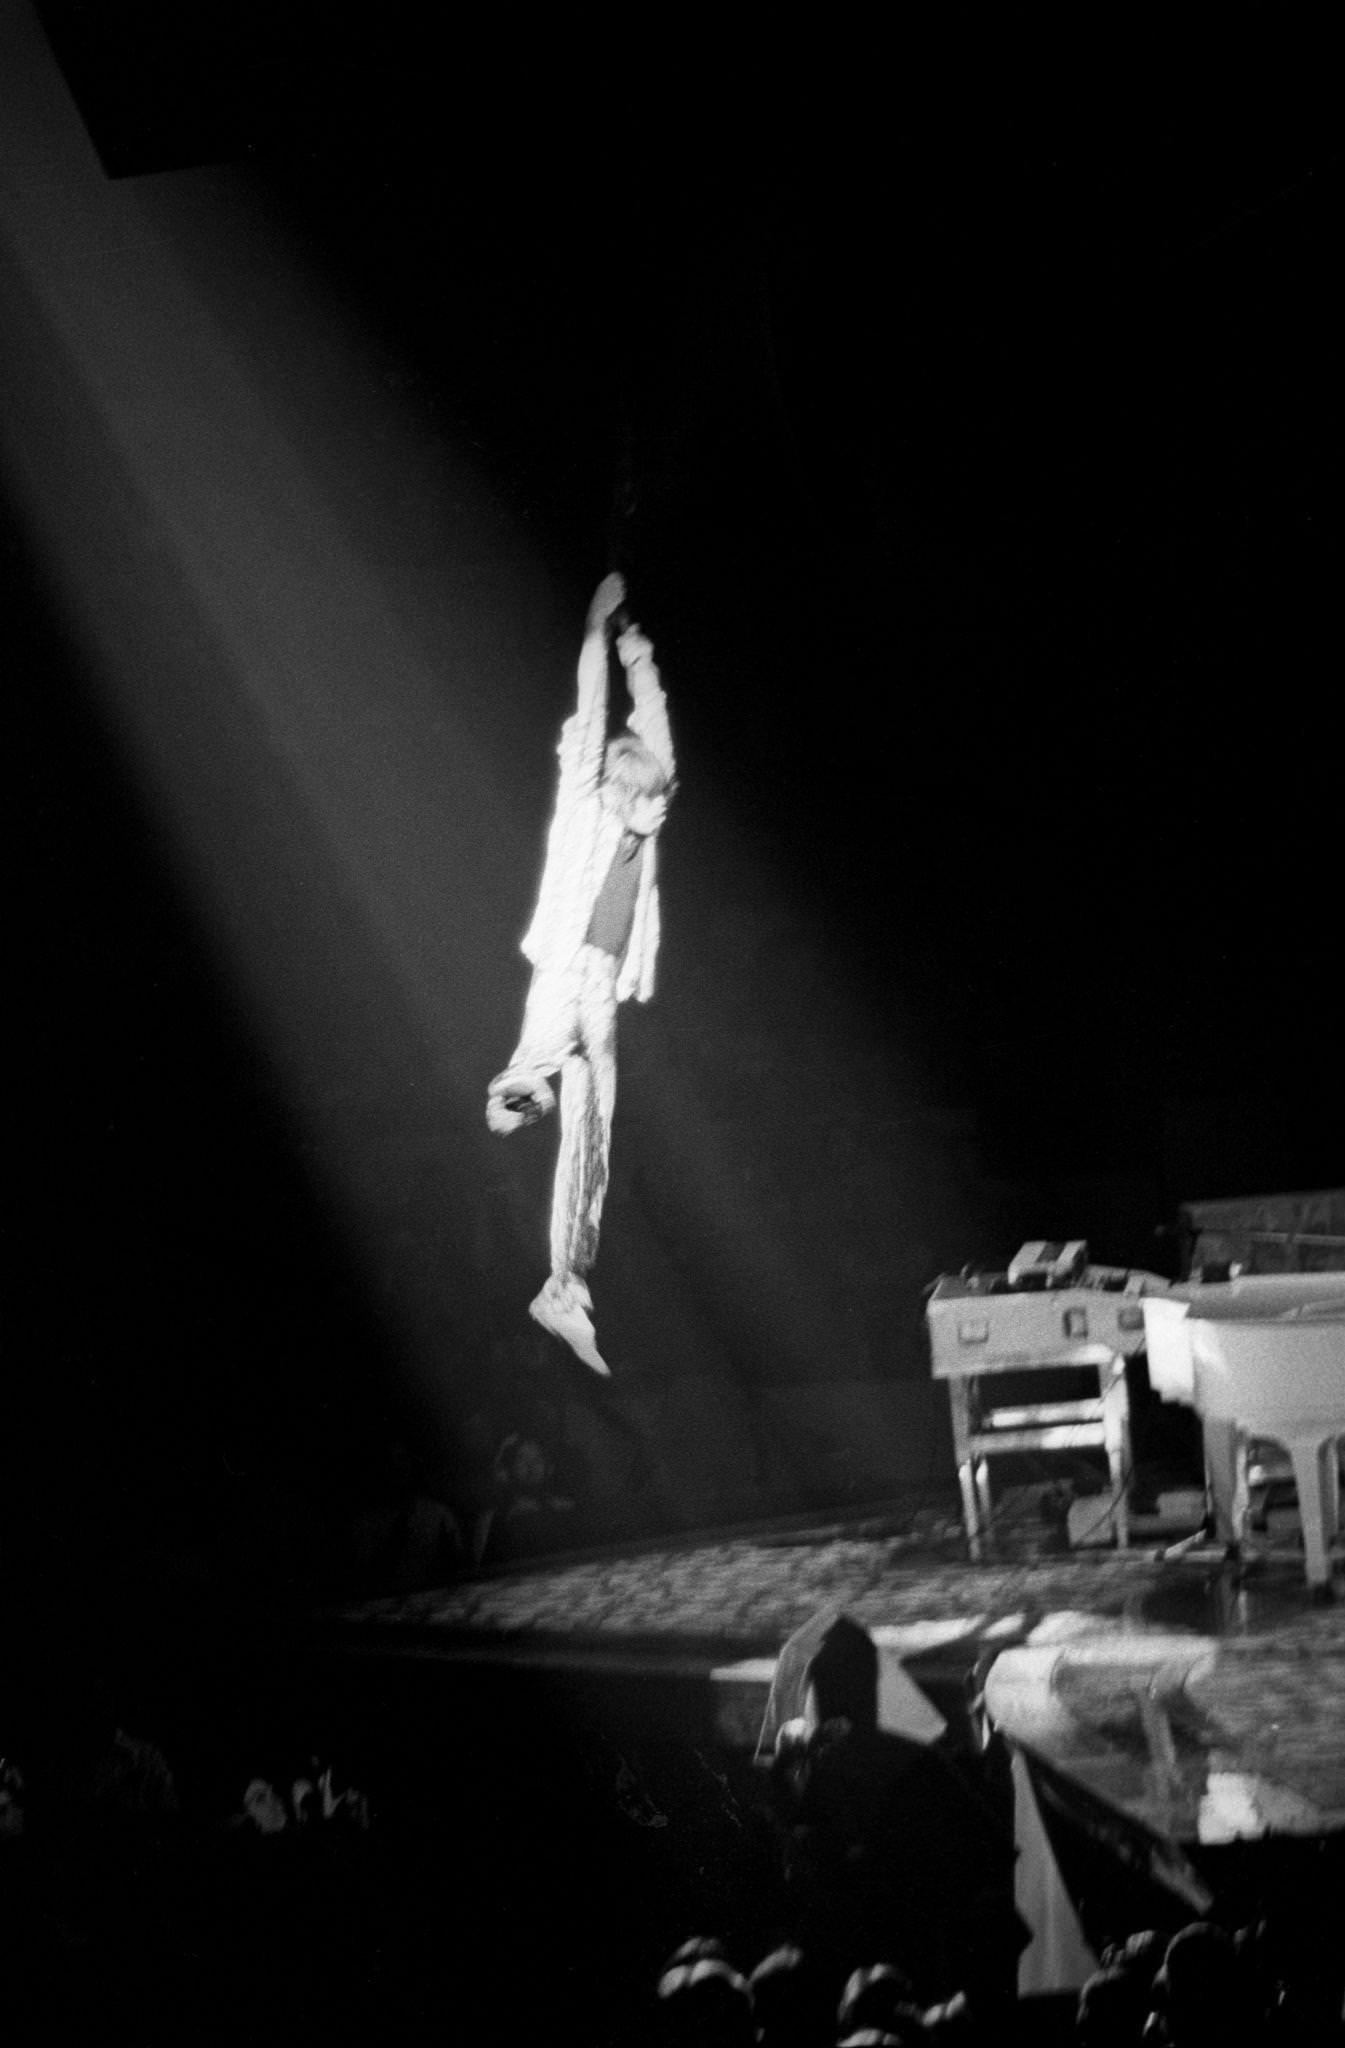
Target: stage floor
pixel 1207 1708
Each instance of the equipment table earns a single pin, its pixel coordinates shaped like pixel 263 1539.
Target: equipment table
pixel 981 1328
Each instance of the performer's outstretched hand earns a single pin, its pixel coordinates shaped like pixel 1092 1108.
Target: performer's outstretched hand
pixel 607 598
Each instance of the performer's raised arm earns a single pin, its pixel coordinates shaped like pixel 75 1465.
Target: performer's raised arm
pixel 584 735
pixel 649 707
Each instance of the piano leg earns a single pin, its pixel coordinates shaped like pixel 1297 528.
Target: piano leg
pixel 1331 1484
pixel 1316 1503
pixel 1223 1464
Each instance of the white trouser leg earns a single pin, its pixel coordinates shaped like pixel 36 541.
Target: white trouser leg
pixel 587 1101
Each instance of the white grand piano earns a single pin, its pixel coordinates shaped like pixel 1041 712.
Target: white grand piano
pixel 1262 1356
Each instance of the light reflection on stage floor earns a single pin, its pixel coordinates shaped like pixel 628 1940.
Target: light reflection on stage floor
pixel 1205 1739
pixel 1205 1706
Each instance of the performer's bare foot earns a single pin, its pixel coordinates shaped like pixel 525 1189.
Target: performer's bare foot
pixel 563 1307
pixel 516 1099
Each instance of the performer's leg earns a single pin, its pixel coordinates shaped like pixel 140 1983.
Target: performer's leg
pixel 587 1100
pixel 521 1093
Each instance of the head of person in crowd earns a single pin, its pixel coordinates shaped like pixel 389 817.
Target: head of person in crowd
pixel 522 1468
pixel 843 1676
pixel 794 2002
pixel 264 1809
pixel 1199 1993
pixel 697 1948
pixel 705 2004
pixel 1138 1955
pixel 1113 2007
pixel 954 2021
pixel 879 1995
pixel 908 2033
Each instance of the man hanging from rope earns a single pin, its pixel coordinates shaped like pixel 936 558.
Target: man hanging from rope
pixel 592 943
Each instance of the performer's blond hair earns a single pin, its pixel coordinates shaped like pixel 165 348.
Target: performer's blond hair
pixel 631 769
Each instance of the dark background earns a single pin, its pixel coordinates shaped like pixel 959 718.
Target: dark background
pixel 973 461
